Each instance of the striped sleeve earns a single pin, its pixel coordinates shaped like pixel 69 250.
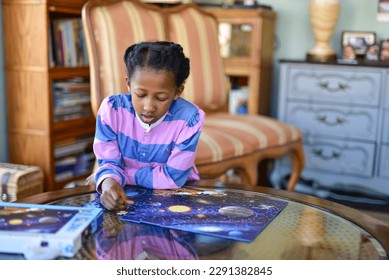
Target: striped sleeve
pixel 105 146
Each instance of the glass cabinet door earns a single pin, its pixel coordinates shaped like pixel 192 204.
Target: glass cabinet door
pixel 235 39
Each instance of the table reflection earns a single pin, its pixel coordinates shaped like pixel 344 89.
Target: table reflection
pixel 138 242
pixel 130 241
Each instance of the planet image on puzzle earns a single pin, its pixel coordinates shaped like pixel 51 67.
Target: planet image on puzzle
pixel 48 220
pixel 155 204
pixel 15 222
pixel 133 193
pixel 235 233
pixel 236 211
pixel 179 208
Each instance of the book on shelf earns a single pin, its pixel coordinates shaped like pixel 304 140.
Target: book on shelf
pixel 77 84
pixel 69 110
pixel 51 47
pixel 65 164
pixel 68 46
pixel 73 157
pixel 40 231
pixel 71 99
pixel 74 165
pixel 64 175
pixel 73 146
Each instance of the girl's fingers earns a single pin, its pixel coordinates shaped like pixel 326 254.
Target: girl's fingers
pixel 115 199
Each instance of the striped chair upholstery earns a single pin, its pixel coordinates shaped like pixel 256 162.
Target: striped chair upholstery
pixel 243 134
pixel 110 27
pixel 196 32
pixel 227 141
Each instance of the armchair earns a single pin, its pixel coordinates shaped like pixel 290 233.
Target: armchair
pixel 227 141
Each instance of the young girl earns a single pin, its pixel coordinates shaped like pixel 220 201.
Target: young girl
pixel 149 136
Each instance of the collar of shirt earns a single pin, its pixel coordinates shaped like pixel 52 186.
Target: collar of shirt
pixel 148 127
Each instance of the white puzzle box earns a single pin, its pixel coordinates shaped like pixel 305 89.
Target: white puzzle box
pixel 45 231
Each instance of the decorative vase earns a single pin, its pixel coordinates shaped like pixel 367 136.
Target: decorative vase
pixel 324 15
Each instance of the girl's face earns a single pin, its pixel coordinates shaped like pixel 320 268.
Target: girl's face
pixel 152 93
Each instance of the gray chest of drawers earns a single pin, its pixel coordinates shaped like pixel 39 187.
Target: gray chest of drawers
pixel 343 111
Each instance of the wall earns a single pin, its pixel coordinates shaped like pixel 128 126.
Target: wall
pixel 294 34
pixel 294 38
pixel 3 111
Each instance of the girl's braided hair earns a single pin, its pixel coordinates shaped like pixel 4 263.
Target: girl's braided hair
pixel 158 55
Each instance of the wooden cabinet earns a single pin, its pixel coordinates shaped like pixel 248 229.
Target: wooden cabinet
pixel 34 136
pixel 342 111
pixel 247 43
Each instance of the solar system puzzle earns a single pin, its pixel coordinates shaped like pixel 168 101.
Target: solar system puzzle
pixel 230 215
pixel 45 231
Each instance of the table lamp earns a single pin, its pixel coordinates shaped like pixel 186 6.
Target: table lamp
pixel 324 15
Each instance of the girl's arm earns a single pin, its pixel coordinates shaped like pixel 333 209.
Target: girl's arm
pixel 106 148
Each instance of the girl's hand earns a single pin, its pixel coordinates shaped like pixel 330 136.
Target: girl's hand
pixel 113 196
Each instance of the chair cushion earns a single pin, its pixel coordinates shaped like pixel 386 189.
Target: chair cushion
pixel 216 145
pixel 226 136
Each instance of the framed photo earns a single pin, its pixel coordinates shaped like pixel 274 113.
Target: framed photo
pixel 348 52
pixel 384 50
pixel 383 10
pixel 373 53
pixel 360 41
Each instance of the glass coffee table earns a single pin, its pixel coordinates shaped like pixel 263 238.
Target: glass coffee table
pixel 307 228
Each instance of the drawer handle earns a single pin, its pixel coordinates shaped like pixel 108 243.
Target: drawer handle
pixel 326 86
pixel 338 121
pixel 318 152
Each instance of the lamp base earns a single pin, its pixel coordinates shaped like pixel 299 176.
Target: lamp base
pixel 321 57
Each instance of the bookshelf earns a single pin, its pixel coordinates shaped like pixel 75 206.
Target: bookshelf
pixel 40 131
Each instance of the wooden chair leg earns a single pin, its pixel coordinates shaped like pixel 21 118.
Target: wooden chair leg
pixel 298 161
pixel 249 173
pixel 264 169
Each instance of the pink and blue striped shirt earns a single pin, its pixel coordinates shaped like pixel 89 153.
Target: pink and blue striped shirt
pixel 160 158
